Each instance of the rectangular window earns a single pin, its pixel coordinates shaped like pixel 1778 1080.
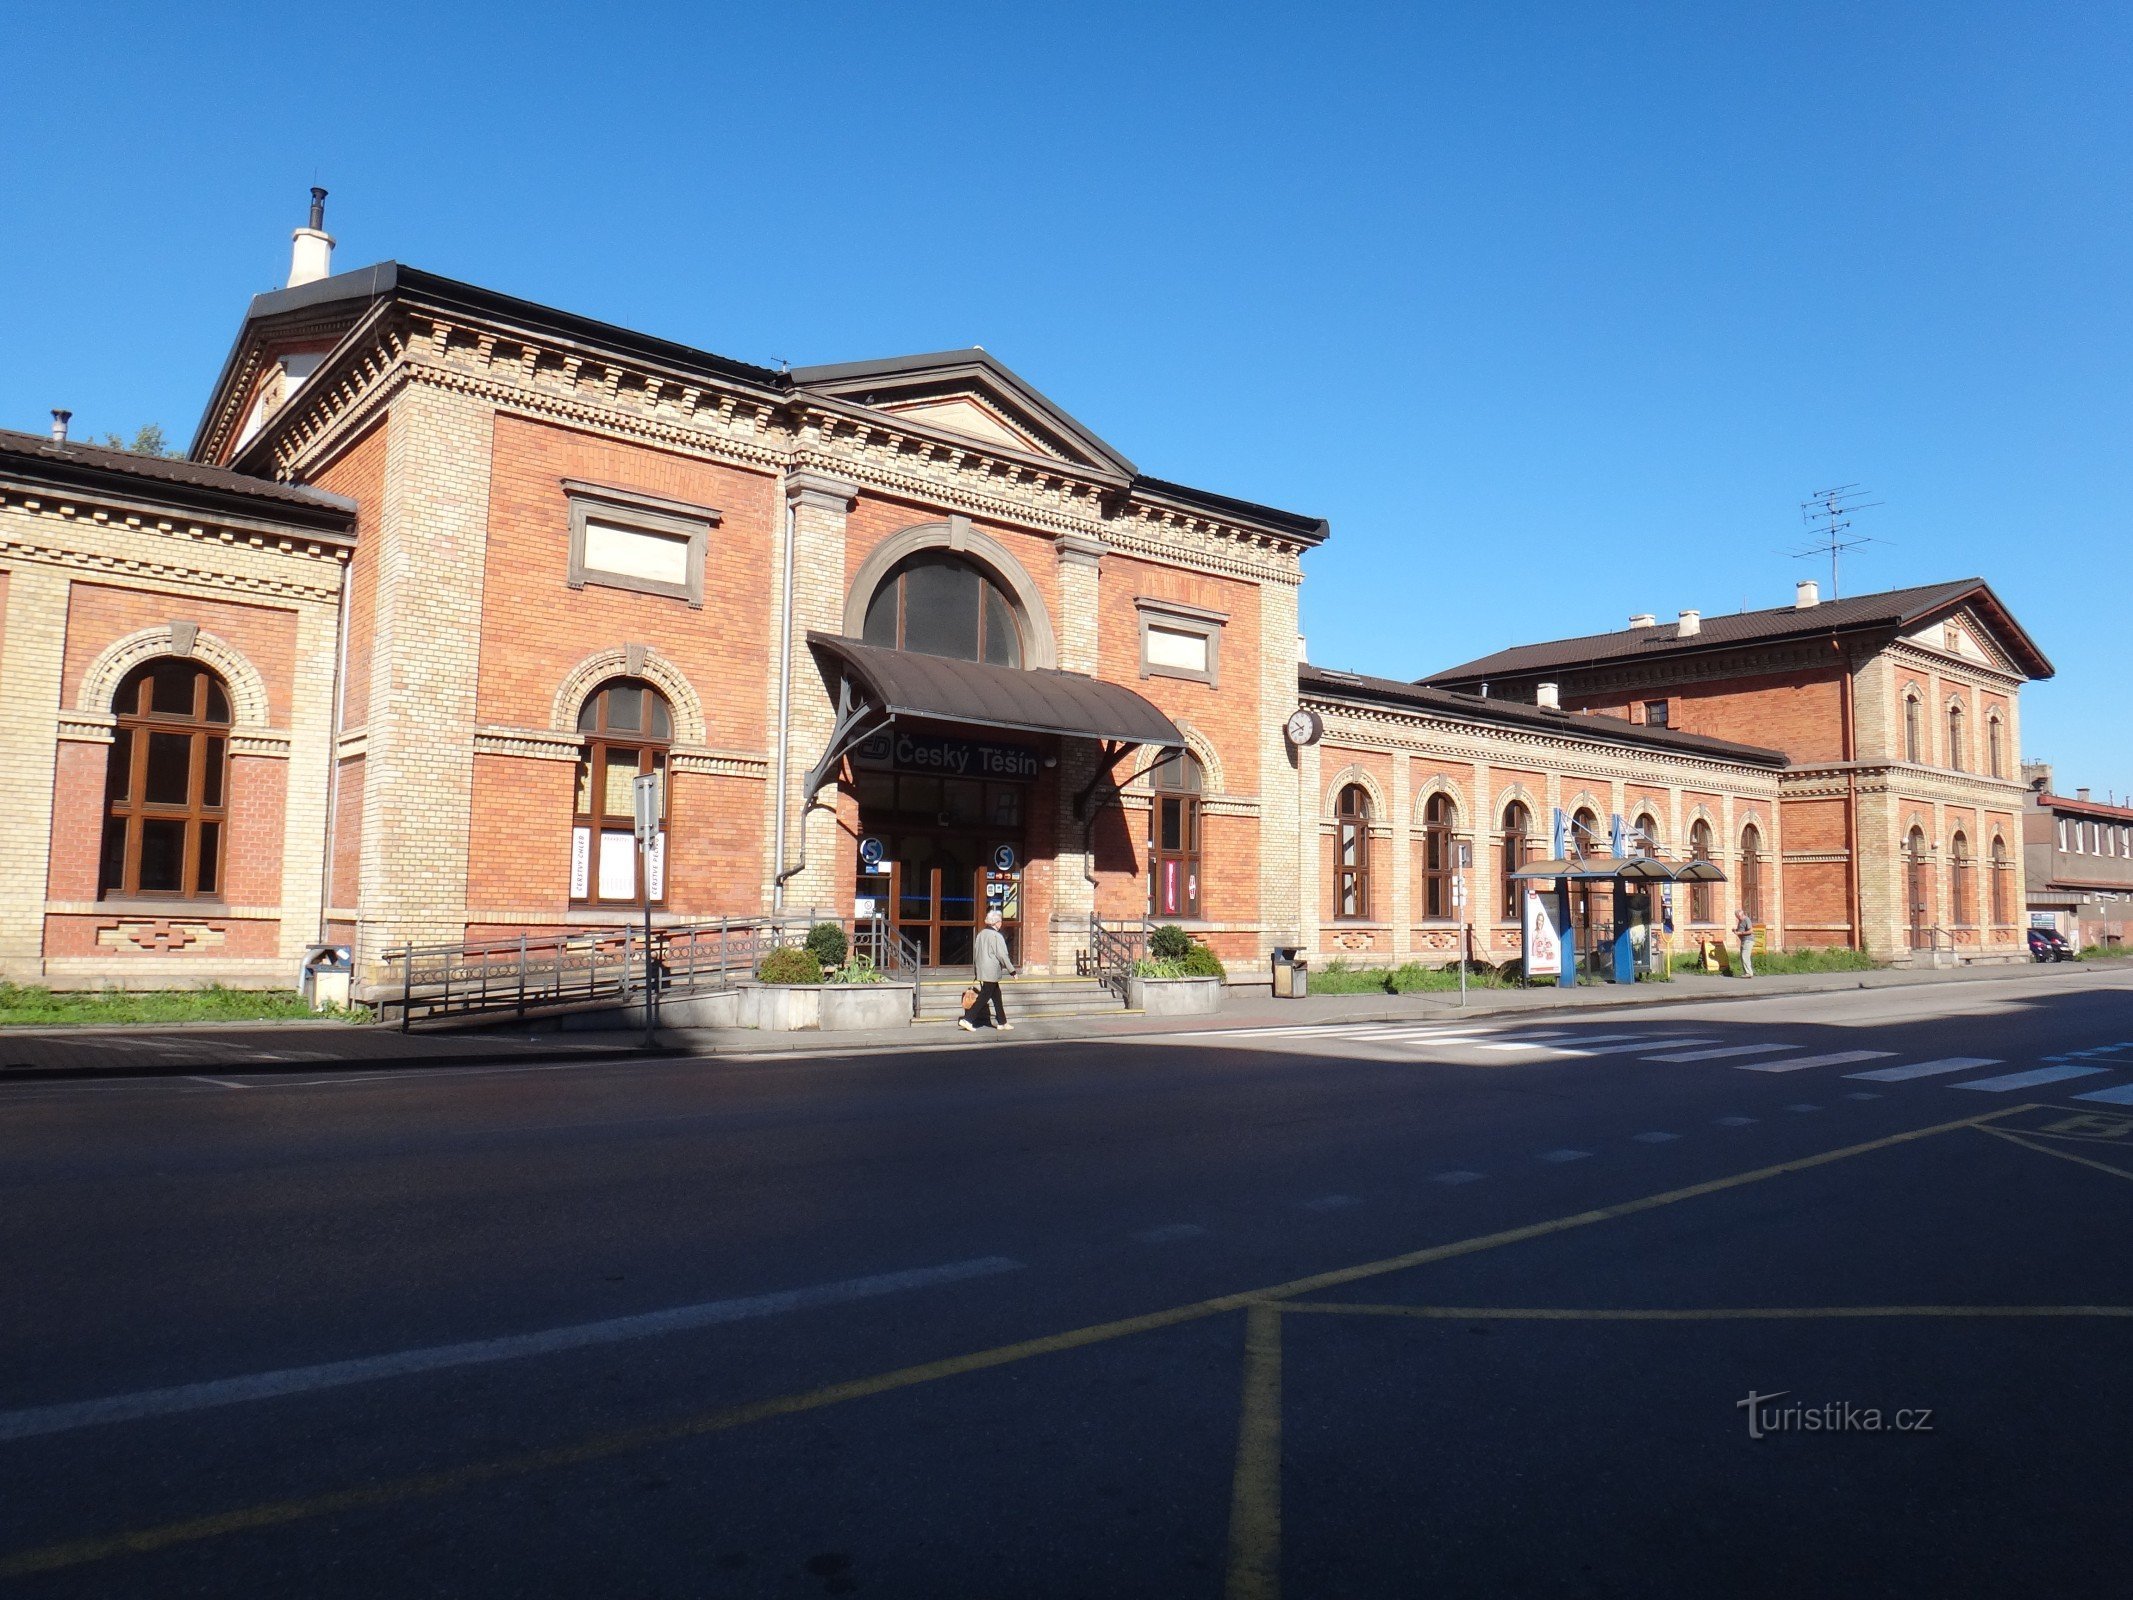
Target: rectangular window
pixel 626 539
pixel 1655 713
pixel 1179 640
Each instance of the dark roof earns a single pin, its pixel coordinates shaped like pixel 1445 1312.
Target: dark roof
pixel 173 481
pixel 2074 805
pixel 1325 684
pixel 1893 608
pixel 356 290
pixel 906 684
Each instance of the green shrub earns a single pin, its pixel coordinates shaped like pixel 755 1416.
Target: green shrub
pixel 1169 943
pixel 2104 952
pixel 1201 962
pixel 825 942
pixel 1158 967
pixel 32 1005
pixel 790 964
pixel 857 970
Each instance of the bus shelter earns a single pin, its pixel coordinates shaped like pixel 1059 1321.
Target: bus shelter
pixel 1564 921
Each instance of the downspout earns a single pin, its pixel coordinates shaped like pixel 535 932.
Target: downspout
pixel 785 648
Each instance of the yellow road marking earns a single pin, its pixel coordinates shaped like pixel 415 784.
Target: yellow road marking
pixel 1255 1490
pixel 2063 1155
pixel 48 1558
pixel 1694 1314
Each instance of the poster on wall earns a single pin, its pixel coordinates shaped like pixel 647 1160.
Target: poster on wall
pixel 656 865
pixel 1544 941
pixel 580 863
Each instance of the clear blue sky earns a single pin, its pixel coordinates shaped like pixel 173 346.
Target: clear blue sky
pixel 1556 312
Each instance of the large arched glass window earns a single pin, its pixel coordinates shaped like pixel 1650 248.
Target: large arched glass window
pixel 1913 733
pixel 1439 857
pixel 1647 843
pixel 1702 903
pixel 1751 872
pixel 1958 746
pixel 166 782
pixel 1511 855
pixel 628 727
pixel 1174 835
pixel 1959 880
pixel 938 603
pixel 2001 884
pixel 1351 853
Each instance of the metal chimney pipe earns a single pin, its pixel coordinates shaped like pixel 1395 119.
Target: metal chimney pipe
pixel 318 209
pixel 60 419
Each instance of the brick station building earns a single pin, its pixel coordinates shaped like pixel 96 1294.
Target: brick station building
pixel 446 571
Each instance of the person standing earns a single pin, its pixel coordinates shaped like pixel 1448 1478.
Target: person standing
pixel 989 956
pixel 1744 930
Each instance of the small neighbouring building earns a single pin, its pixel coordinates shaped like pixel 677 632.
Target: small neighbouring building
pixel 2078 860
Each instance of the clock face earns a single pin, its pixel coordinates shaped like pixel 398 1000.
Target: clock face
pixel 1303 727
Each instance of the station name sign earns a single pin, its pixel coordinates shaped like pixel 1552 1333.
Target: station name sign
pixel 953 758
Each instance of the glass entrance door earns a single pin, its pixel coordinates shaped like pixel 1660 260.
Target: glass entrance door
pixel 934 896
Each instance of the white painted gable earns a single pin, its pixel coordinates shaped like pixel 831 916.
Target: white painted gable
pixel 966 415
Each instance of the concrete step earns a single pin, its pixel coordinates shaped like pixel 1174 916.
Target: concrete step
pixel 1023 997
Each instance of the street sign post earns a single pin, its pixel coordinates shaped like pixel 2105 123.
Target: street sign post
pixel 648 804
pixel 1466 936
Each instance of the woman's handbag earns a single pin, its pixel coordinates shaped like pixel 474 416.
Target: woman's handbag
pixel 970 999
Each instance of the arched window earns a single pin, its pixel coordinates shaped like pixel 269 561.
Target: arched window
pixel 1585 837
pixel 627 727
pixel 1351 853
pixel 2001 885
pixel 1996 745
pixel 1647 843
pixel 1702 903
pixel 938 603
pixel 1511 855
pixel 166 782
pixel 1440 854
pixel 1918 888
pixel 1913 732
pixel 1751 872
pixel 1174 835
pixel 1958 752
pixel 1959 881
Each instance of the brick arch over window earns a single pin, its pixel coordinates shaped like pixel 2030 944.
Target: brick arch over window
pixel 1203 748
pixel 1039 648
pixel 632 661
pixel 1379 812
pixel 248 690
pixel 1436 785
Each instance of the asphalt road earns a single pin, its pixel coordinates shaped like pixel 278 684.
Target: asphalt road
pixel 1364 1311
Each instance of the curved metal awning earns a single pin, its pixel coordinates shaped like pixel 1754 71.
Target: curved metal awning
pixel 1634 869
pixel 877 686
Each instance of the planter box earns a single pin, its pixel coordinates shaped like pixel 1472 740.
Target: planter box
pixel 832 1007
pixel 1174 997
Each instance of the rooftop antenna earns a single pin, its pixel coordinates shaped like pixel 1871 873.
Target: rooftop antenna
pixel 1830 514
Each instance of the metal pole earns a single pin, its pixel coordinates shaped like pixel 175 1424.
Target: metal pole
pixel 1466 934
pixel 651 1024
pixel 522 972
pixel 407 985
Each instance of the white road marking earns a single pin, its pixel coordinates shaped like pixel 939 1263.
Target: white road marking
pixel 2122 1095
pixel 1170 1233
pixel 39 1421
pixel 1654 1137
pixel 1568 1042
pixel 1729 1050
pixel 220 1083
pixel 1563 1155
pixel 2025 1080
pixel 1843 1058
pixel 1631 1049
pixel 1924 1069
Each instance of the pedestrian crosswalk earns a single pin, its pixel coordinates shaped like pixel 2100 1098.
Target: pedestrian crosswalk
pixel 1500 1046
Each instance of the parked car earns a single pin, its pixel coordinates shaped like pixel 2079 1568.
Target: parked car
pixel 2049 944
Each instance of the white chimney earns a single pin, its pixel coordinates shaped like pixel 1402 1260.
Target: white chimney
pixel 2081 794
pixel 1690 625
pixel 1644 619
pixel 1806 595
pixel 1547 698
pixel 60 420
pixel 311 254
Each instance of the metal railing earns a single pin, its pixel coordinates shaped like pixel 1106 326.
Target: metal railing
pixel 1113 949
pixel 588 968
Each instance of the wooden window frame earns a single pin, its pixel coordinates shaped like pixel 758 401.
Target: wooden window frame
pixel 1751 872
pixel 1703 904
pixel 1351 880
pixel 987 580
pixel 127 807
pixel 1914 733
pixel 1959 886
pixel 1166 795
pixel 1513 845
pixel 1440 858
pixel 1958 737
pixel 2002 879
pixel 646 753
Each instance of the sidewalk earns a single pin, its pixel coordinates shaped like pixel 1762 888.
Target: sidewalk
pixel 206 1049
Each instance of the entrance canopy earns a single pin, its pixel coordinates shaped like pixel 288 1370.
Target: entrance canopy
pixel 877 686
pixel 1646 869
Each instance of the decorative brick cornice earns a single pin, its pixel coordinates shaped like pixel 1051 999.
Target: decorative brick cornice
pixel 87 727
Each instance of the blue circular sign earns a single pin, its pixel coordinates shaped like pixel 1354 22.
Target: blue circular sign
pixel 1003 858
pixel 872 852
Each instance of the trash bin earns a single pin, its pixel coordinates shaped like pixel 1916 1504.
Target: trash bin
pixel 328 969
pixel 1291 973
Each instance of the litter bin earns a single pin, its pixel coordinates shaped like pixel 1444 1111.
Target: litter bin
pixel 328 968
pixel 1292 974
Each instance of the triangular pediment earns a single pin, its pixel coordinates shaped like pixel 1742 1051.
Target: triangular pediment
pixel 970 394
pixel 1966 635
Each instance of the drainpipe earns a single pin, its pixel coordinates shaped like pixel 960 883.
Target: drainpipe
pixel 777 887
